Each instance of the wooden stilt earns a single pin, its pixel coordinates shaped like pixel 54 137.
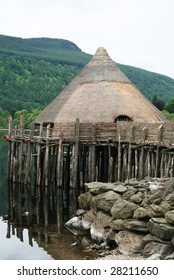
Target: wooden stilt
pixel 162 165
pixel 141 168
pixel 110 165
pixel 148 163
pixel 136 163
pixel 159 139
pixel 59 184
pixel 93 154
pixel 119 158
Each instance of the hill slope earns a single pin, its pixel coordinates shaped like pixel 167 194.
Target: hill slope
pixel 34 71
pixel 54 50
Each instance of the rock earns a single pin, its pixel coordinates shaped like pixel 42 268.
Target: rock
pixel 149 238
pixel 120 189
pixel 130 192
pixel 155 256
pixel 172 240
pixel 170 257
pixel 123 209
pixel 103 219
pixel 165 206
pixel 157 248
pixel 169 216
pixel 155 211
pixel 140 213
pixel 170 199
pixel 104 201
pixel 154 186
pixel 137 198
pixel 97 232
pixel 155 196
pixel 100 227
pixel 118 225
pixel 88 218
pixel 84 200
pixel 96 188
pixel 75 226
pixel 129 242
pixel 160 228
pixel 135 225
pixel 80 212
pixel 132 182
pixel 86 242
pixel 109 237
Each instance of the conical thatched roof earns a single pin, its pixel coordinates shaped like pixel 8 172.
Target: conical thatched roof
pixel 100 93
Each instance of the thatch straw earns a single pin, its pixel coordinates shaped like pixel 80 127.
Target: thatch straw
pixel 100 93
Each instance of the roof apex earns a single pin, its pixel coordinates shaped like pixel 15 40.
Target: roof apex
pixel 101 52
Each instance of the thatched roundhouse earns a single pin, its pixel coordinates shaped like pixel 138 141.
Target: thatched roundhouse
pixel 100 93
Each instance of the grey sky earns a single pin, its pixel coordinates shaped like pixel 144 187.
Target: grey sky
pixel 134 32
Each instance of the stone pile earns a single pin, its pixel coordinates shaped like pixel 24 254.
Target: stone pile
pixel 136 217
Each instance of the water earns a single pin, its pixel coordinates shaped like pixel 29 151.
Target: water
pixel 36 244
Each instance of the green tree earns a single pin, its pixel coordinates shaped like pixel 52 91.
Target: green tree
pixel 170 106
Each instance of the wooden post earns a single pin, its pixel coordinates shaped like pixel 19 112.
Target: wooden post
pixel 46 162
pixel 21 132
pixel 141 164
pixel 130 154
pixel 110 165
pixel 162 165
pixel 159 138
pixel 9 146
pixel 28 174
pixel 59 184
pixel 136 163
pixel 38 176
pixel 119 157
pixel 46 174
pixel 124 167
pixel 148 163
pixel 74 171
pixel 93 154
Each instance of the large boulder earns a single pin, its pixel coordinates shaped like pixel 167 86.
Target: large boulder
pixel 160 228
pixel 104 201
pixel 135 225
pixel 129 242
pixel 76 227
pixel 96 188
pixel 123 209
pixel 97 232
pixel 100 227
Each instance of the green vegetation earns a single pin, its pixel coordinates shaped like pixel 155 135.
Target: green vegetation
pixel 34 71
pixel 149 83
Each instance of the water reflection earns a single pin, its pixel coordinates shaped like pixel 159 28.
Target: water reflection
pixel 36 243
pixel 17 243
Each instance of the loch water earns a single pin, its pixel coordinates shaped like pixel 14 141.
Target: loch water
pixel 37 243
pixel 32 243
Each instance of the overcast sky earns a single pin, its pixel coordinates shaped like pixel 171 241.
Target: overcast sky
pixel 134 32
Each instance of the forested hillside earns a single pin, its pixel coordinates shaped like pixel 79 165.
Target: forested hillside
pixel 34 71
